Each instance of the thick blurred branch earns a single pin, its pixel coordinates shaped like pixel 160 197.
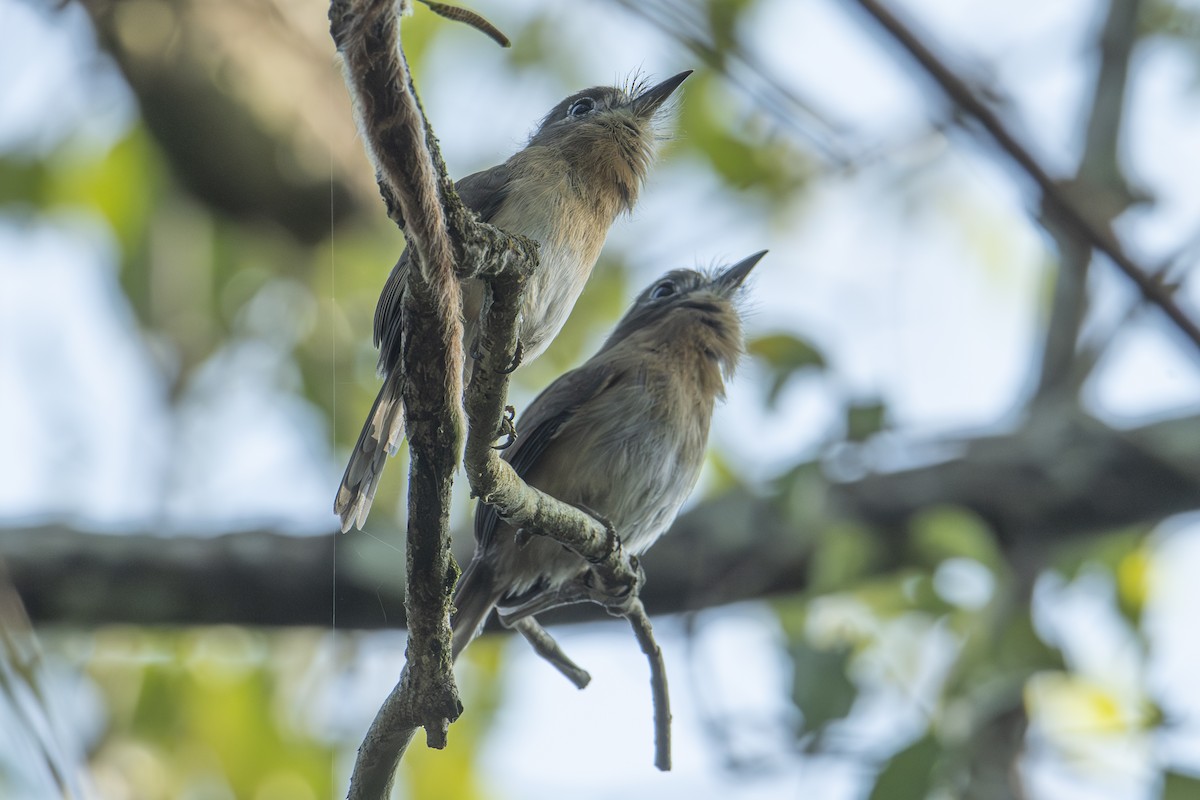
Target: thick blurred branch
pixel 1059 475
pixel 1057 197
pixel 1041 485
pixel 241 159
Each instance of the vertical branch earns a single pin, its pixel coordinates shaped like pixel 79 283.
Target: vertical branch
pixel 1099 175
pixel 434 449
pixel 394 132
pixel 636 614
pixel 448 243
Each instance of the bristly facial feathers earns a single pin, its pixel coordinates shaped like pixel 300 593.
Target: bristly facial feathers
pixel 698 308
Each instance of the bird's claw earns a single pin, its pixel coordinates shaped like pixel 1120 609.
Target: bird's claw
pixel 508 429
pixel 518 354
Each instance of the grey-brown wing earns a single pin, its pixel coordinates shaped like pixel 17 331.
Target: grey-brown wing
pixel 482 192
pixel 540 424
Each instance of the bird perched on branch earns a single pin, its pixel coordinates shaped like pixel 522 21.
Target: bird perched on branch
pixel 583 166
pixel 622 436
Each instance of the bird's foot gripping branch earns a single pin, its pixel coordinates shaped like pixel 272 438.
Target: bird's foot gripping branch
pixel 448 244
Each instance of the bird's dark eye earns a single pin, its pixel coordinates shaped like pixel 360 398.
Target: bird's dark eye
pixel 664 289
pixel 581 106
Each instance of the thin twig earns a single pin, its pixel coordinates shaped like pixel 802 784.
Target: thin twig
pixel 636 614
pixel 689 23
pixel 544 645
pixel 1056 196
pixel 385 742
pixel 469 17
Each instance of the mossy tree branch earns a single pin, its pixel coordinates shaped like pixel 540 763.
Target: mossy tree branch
pixel 447 244
pixel 393 128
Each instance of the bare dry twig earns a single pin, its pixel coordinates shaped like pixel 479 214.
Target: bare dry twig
pixel 545 646
pixel 658 683
pixel 468 17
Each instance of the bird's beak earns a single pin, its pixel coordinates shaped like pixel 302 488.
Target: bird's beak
pixel 646 103
pixel 733 277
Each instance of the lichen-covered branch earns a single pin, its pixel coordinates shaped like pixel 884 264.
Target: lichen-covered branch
pixel 394 132
pixel 492 479
pixel 393 728
pixel 448 244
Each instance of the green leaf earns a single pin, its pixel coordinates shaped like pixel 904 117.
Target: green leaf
pixel 821 689
pixel 1177 786
pixel 23 182
pixel 770 168
pixel 723 476
pixel 943 532
pixel 864 420
pixel 909 773
pixel 1020 651
pixel 846 552
pixel 784 354
pixel 1126 556
pixel 723 18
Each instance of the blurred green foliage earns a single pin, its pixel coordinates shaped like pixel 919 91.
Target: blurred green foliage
pixel 908 775
pixel 232 712
pixel 1177 786
pixel 221 708
pixel 784 355
pixel 223 712
pixel 766 169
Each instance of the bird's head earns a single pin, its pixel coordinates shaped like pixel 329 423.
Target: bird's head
pixel 690 314
pixel 608 134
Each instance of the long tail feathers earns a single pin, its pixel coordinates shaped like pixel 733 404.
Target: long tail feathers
pixel 381 436
pixel 474 598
